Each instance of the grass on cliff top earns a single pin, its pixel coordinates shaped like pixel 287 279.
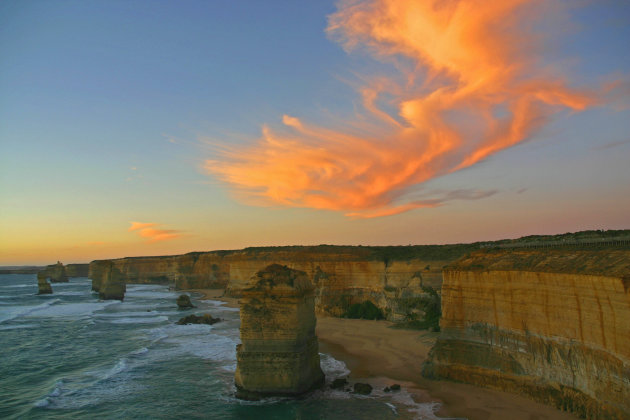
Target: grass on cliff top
pixel 450 252
pixel 596 261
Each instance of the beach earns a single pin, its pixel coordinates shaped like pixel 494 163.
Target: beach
pixel 375 352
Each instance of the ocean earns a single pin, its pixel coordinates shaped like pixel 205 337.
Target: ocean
pixel 71 356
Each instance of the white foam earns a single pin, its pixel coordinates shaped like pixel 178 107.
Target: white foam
pixel 69 309
pixel 139 352
pixel 18 311
pixel 70 293
pixel 332 367
pixel 138 320
pixel 200 341
pixel 17 286
pixel 136 314
pixel 17 327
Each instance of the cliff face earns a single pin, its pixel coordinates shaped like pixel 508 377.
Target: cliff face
pixel 279 351
pixel 552 324
pixel 342 275
pixel 77 270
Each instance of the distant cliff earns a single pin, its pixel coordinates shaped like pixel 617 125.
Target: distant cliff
pixel 551 324
pixel 388 276
pixel 59 273
pixel 77 270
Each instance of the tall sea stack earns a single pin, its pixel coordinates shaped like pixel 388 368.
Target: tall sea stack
pixel 113 286
pixel 279 353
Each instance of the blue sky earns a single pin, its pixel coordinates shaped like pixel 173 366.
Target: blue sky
pixel 107 109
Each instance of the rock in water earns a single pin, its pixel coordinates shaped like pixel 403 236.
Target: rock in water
pixel 339 383
pixel 44 288
pixel 113 286
pixel 194 319
pixel 183 302
pixel 364 389
pixel 279 351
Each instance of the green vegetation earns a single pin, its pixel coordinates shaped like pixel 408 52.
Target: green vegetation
pixel 365 310
pixel 430 304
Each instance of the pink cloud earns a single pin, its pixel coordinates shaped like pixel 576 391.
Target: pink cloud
pixel 152 234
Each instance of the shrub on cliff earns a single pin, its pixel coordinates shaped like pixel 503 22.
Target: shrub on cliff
pixel 365 310
pixel 431 304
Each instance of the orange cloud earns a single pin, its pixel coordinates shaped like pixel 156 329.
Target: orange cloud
pixel 475 88
pixel 147 230
pixel 139 225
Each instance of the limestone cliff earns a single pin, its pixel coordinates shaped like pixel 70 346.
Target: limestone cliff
pixel 388 276
pixel 77 270
pixel 279 351
pixel 551 324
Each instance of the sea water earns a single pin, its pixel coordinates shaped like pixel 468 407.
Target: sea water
pixel 69 355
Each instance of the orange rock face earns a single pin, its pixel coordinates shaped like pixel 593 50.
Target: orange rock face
pixel 279 351
pixel 342 276
pixel 554 325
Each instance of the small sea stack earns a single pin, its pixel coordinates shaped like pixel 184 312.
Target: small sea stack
pixel 279 354
pixel 183 302
pixel 43 287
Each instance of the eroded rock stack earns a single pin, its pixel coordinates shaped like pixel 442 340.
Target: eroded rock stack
pixel 279 351
pixel 56 273
pixel 113 286
pixel 44 288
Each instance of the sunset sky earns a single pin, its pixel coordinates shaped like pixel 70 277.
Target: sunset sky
pixel 148 128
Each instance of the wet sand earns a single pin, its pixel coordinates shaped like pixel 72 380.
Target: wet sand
pixel 374 351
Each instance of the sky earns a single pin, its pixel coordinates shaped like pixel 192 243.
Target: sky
pixel 134 128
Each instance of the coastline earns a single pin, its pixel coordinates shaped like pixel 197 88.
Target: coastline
pixel 373 351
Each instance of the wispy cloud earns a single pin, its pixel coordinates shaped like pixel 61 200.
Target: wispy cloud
pixel 152 234
pixel 468 83
pixel 612 144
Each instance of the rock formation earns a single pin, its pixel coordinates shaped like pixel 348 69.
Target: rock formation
pixel 44 288
pixel 279 351
pixel 550 324
pixel 390 277
pixel 56 273
pixel 112 283
pixel 198 319
pixel 183 302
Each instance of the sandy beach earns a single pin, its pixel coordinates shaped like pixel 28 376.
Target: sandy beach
pixel 374 351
